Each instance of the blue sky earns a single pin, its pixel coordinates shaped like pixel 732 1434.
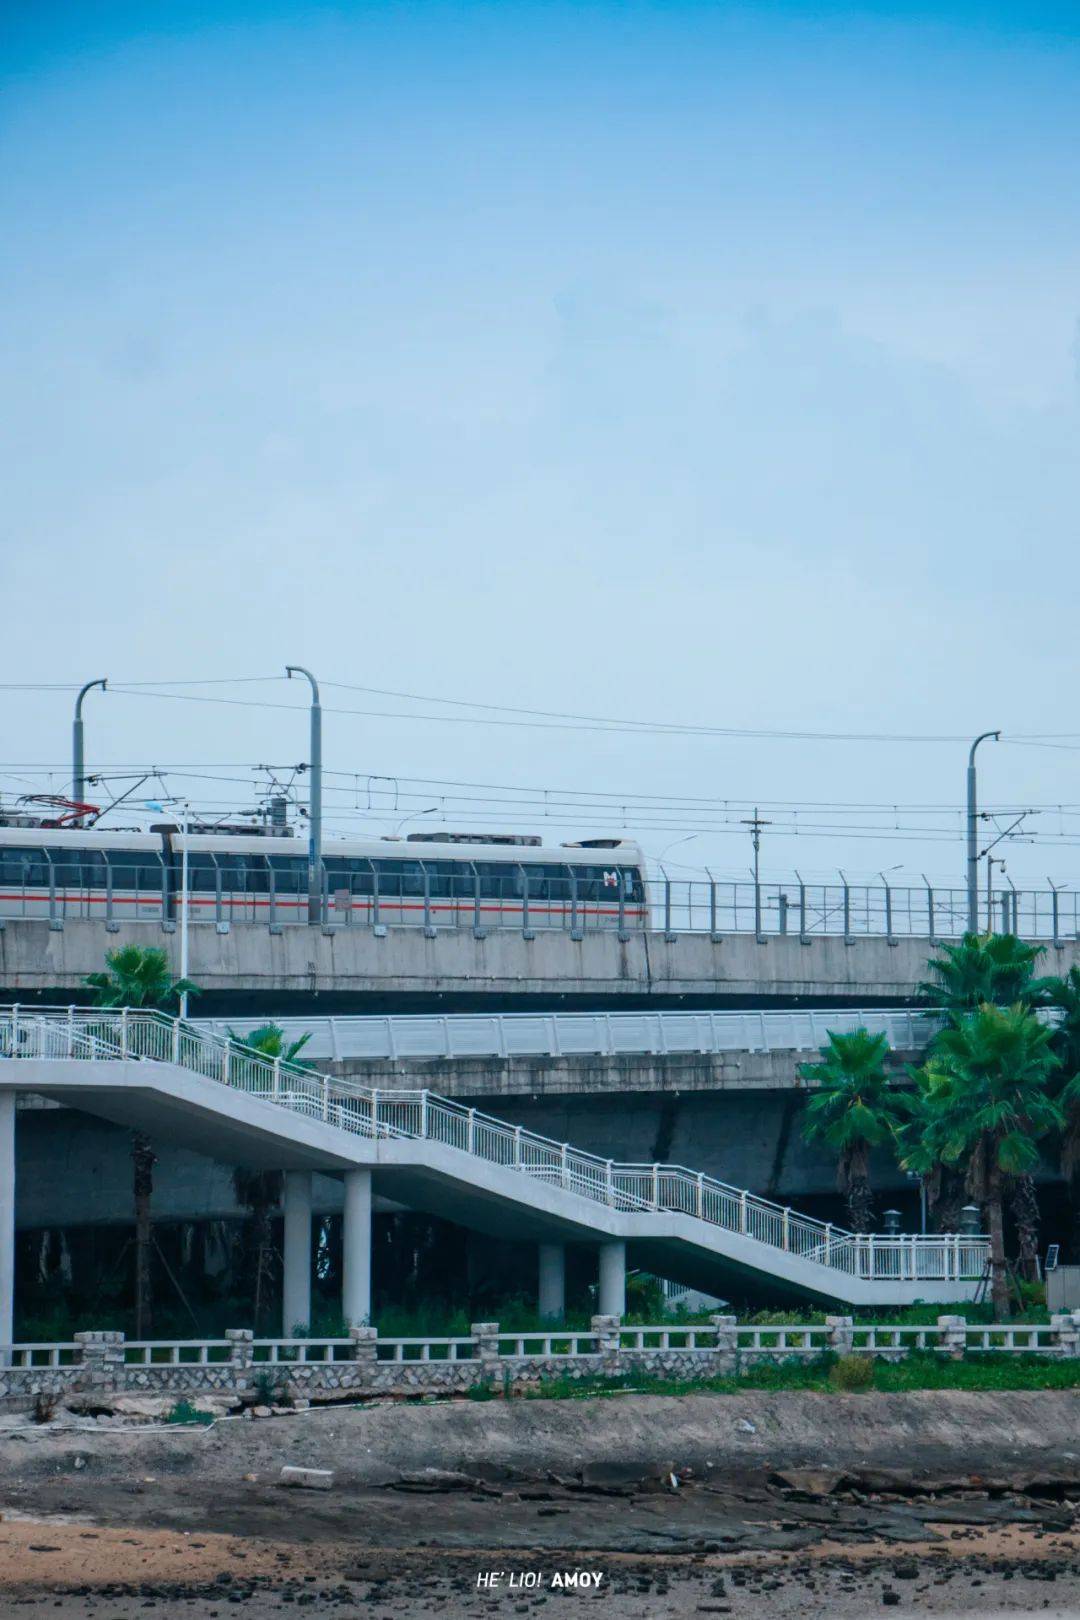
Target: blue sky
pixel 680 362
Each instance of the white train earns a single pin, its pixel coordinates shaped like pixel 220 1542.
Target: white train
pixel 443 880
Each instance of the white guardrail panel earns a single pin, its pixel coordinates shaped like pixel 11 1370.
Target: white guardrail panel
pixel 88 1034
pixel 464 1035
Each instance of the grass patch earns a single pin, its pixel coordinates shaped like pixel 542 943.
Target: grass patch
pixel 920 1370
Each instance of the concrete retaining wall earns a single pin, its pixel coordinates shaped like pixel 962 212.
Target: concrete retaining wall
pixel 353 969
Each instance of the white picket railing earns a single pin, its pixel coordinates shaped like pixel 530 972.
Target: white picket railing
pixel 39 1355
pixel 459 1348
pixel 175 1353
pixel 749 1342
pixel 96 1035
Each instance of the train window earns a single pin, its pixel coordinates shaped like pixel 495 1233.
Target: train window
pixel 24 868
pixel 256 874
pixel 448 879
pixel 132 869
pixel 632 885
pixel 91 867
pixel 599 885
pixel 461 880
pixel 234 869
pixel 546 882
pixel 348 872
pixel 202 872
pixel 398 878
pixel 240 872
pixel 496 880
pixel 290 873
pixel 360 875
pixel 65 864
pixel 558 883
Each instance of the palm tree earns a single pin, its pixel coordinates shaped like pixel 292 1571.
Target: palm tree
pixel 260 1192
pixel 919 1147
pixel 1063 995
pixel 987 1083
pixel 138 976
pixel 269 1040
pixel 853 1110
pixel 143 1160
pixel 997 969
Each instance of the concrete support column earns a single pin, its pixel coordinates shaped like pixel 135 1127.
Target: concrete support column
pixel 356 1249
pixel 552 1288
pixel 612 1279
pixel 7 1217
pixel 296 1285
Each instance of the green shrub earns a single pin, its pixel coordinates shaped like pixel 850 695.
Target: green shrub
pixel 852 1374
pixel 266 1387
pixel 184 1412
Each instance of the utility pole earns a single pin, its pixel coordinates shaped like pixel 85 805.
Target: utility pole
pixel 78 757
pixel 756 824
pixel 184 806
pixel 973 836
pixel 992 861
pixel 315 800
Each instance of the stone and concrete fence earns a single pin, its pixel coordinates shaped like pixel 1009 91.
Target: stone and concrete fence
pixel 243 1368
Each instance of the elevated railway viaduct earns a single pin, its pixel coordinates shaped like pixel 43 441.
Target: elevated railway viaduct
pixel 245 968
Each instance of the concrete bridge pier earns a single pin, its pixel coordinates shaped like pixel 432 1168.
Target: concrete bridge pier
pixel 356 1249
pixel 552 1282
pixel 296 1284
pixel 7 1219
pixel 612 1279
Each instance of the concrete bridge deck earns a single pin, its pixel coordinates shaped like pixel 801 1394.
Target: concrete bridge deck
pixel 163 1076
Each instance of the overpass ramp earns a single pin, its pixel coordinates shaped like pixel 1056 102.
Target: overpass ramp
pixel 171 1079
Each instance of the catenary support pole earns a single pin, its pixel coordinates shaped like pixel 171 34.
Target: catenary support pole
pixel 973 835
pixel 78 752
pixel 296 1284
pixel 315 886
pixel 612 1279
pixel 552 1282
pixel 356 1249
pixel 7 1218
pixel 185 905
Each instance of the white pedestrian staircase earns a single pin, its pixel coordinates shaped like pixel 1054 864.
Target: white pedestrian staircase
pixel 432 1153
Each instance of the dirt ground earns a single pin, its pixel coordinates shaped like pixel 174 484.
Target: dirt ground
pixel 778 1506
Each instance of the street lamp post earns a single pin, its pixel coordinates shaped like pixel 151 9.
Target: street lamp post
pixel 687 839
pixel 315 805
pixel 973 836
pixel 414 815
pixel 78 758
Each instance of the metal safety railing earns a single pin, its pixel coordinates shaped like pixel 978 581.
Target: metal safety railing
pixel 857 910
pixel 506 1035
pixel 94 1035
pixel 115 894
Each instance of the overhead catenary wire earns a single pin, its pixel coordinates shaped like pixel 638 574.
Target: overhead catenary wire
pixel 545 718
